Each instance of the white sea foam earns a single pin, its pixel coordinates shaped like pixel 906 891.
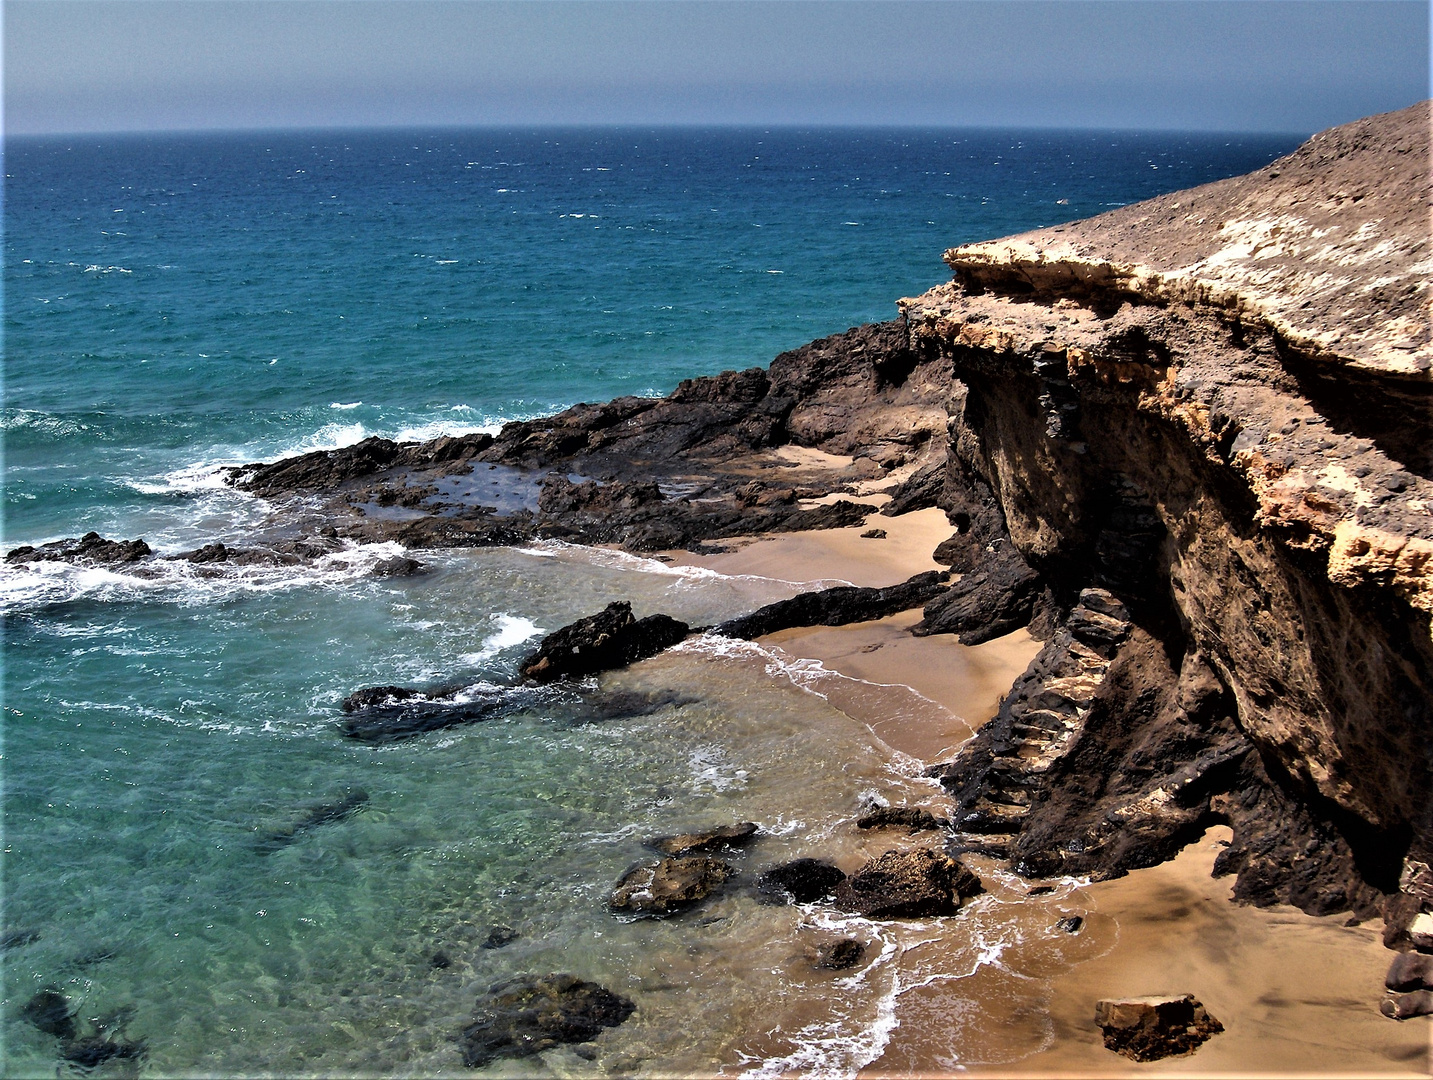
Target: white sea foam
pixel 511 630
pixel 35 585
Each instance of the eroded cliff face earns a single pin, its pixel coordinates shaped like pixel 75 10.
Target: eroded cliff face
pixel 1215 409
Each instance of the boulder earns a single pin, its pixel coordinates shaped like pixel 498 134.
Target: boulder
pixel 93 1050
pixel 801 881
pixel 498 937
pixel 1410 971
pixel 370 696
pixel 908 884
pixel 530 1014
pixel 900 817
pixel 412 713
pixel 668 886
pixel 1150 1028
pixel 612 638
pixel 694 843
pixel 840 954
pixel 1407 1006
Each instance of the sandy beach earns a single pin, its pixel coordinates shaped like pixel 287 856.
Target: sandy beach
pixel 1298 995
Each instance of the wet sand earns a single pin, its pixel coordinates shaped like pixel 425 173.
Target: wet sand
pixel 1298 995
pixel 966 682
pixel 832 555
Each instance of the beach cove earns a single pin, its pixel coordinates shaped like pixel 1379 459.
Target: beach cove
pixel 211 868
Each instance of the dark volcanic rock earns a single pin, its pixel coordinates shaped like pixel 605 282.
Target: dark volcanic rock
pixel 313 817
pixel 370 696
pixel 1150 1028
pixel 836 606
pixel 840 954
pixel 908 885
pixel 707 840
pixel 414 713
pixel 49 1010
pixel 90 549
pixel 900 817
pixel 1407 1006
pixel 530 1014
pixel 498 937
pixel 93 1050
pixel 1410 971
pixel 986 603
pixel 668 886
pixel 612 638
pixel 801 881
pixel 625 704
pixel 921 492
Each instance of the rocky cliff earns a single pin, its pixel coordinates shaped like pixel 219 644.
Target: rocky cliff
pixel 1213 412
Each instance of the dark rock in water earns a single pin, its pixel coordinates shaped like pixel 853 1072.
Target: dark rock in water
pixel 313 817
pixel 14 939
pixel 908 885
pixel 398 566
pixel 440 961
pixel 417 714
pixel 92 549
pixel 986 603
pixel 1071 924
pixel 836 607
pixel 840 954
pixel 801 881
pixel 900 817
pixel 626 704
pixel 370 696
pixel 695 843
pixel 670 885
pixel 1410 971
pixel 1040 890
pixel 1150 1028
pixel 95 1050
pixel 499 936
pixel 530 1014
pixel 49 1010
pixel 612 638
pixel 1407 1006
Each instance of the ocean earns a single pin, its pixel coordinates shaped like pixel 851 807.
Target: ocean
pixel 178 303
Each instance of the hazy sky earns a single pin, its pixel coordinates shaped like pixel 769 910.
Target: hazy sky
pixel 1279 65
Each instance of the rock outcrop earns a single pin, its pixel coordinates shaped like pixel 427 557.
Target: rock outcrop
pixel 1151 1028
pixel 530 1014
pixel 1213 408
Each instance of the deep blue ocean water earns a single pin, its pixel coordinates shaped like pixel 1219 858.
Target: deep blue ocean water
pixel 177 303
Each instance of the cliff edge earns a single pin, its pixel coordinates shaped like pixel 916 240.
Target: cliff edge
pixel 1205 422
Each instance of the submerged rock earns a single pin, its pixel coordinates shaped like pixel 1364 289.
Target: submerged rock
pixel 900 817
pixel 530 1014
pixel 840 954
pixel 313 817
pixel 50 1012
pixel 695 843
pixel 498 937
pixel 613 638
pixel 801 881
pixel 908 884
pixel 668 886
pixel 1150 1028
pixel 411 713
pixel 93 1050
pixel 626 704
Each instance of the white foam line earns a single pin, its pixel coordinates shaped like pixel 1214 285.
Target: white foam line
pixel 548 549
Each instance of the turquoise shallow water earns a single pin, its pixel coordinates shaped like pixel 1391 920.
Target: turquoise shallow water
pixel 174 304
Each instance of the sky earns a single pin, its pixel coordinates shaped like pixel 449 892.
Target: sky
pixel 1235 65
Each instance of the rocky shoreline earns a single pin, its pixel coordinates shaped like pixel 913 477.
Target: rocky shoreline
pixel 1183 444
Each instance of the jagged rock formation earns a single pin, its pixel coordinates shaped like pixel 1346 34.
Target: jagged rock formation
pixel 1214 407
